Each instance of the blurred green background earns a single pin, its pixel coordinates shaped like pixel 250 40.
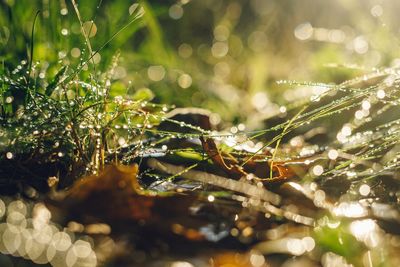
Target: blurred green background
pixel 226 56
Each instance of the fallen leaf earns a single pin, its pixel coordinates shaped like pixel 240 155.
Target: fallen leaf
pixel 229 166
pixel 115 197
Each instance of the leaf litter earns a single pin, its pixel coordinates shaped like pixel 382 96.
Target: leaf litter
pixel 222 194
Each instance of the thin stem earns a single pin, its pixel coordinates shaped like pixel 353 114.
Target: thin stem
pixel 280 139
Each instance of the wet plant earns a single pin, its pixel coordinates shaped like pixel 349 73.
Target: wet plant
pixel 68 124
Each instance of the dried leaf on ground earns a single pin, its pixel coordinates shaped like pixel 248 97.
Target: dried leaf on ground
pixel 115 197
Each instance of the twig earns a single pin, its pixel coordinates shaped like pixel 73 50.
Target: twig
pixel 204 177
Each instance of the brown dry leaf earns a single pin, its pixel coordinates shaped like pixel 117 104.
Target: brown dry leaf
pixel 281 170
pixel 115 197
pixel 229 166
pixel 119 177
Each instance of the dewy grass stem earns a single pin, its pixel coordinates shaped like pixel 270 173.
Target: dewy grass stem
pixel 279 140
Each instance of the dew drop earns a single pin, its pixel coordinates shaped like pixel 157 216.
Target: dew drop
pixel 175 11
pixel 317 170
pixel 333 154
pixel 364 190
pixel 90 28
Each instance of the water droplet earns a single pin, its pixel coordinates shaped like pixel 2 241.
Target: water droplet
pixel 64 11
pixel 377 11
pixel 156 73
pixel 364 190
pixel 185 81
pixel 9 99
pixel 333 154
pixel 9 155
pixel 75 52
pixel 308 243
pixel 380 94
pixel 303 31
pixel 90 28
pixel 185 50
pixel 366 105
pixel 219 49
pixel 64 32
pixel 317 170
pixel 175 11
